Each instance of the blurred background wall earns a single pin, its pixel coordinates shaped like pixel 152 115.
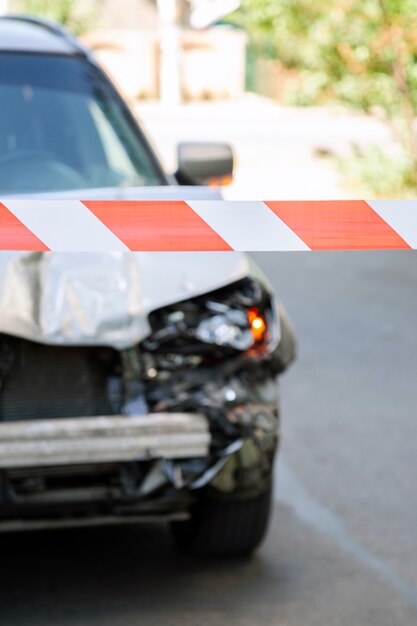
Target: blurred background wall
pixel 151 47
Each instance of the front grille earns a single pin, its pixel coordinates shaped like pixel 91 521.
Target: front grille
pixel 41 382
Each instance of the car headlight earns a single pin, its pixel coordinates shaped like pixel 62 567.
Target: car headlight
pixel 229 329
pixel 241 317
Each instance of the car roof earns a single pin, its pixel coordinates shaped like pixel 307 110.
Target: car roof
pixel 20 33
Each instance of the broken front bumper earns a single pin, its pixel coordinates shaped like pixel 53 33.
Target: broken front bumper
pixel 103 439
pixel 120 468
pixel 189 417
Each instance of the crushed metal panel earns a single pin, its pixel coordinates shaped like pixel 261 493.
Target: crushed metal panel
pixel 102 298
pixel 71 299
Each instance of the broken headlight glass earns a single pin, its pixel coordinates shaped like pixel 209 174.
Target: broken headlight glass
pixel 239 318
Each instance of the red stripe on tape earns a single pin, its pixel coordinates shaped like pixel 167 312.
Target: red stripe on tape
pixel 15 235
pixel 338 225
pixel 157 226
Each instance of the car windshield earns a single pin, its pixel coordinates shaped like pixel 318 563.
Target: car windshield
pixel 62 127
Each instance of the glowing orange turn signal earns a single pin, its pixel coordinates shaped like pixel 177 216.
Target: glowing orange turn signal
pixel 257 324
pixel 220 181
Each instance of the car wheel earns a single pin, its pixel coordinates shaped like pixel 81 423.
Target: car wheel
pixel 224 526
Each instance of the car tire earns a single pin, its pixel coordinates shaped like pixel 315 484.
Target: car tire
pixel 224 527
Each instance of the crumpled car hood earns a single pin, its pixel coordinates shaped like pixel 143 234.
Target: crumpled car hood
pixel 103 298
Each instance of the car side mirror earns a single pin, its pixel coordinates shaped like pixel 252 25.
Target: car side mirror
pixel 201 163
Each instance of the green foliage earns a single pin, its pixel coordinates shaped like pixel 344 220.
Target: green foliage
pixel 358 52
pixel 380 175
pixel 359 48
pixel 69 12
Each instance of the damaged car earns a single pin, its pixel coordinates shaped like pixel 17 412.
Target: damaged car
pixel 133 386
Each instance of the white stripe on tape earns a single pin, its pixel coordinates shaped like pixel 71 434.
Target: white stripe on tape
pixel 248 226
pixel 401 215
pixel 65 225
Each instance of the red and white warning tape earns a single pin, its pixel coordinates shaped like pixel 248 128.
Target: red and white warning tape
pixel 69 225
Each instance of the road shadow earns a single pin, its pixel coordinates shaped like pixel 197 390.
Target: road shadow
pixel 110 575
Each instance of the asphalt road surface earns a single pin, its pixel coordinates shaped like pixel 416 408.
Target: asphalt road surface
pixel 342 547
